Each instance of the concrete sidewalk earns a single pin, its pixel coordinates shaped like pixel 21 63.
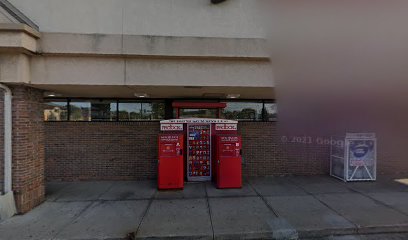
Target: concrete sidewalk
pixel 316 207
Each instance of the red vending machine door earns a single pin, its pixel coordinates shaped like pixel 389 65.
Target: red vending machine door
pixel 170 164
pixel 229 161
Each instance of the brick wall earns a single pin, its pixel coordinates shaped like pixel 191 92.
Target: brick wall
pixel 265 154
pixel 391 154
pixel 128 151
pixel 101 150
pixel 28 147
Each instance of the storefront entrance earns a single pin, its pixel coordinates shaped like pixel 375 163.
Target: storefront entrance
pixel 198 109
pixel 198 113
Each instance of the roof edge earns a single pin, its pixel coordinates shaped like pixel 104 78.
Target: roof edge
pixel 17 14
pixel 19 27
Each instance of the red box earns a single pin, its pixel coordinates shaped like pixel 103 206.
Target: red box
pixel 228 161
pixel 171 161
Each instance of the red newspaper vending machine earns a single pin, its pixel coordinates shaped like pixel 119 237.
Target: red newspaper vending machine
pixel 228 161
pixel 171 161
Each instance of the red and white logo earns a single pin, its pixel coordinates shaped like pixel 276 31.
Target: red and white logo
pixel 226 127
pixel 171 127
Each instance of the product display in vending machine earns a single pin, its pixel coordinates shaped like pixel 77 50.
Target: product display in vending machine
pixel 199 152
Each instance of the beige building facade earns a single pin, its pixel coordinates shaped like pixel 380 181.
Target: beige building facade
pixel 121 47
pixel 86 82
pixel 90 80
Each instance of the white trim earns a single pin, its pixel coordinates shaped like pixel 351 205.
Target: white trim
pixel 7 203
pixel 7 138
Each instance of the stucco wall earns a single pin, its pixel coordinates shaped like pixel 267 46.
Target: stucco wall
pixel 165 72
pixel 14 68
pixel 234 18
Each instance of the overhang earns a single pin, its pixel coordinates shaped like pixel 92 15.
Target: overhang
pixel 174 92
pixel 18 37
pixel 17 32
pixel 198 105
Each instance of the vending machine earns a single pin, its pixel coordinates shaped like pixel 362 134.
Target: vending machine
pixel 228 160
pixel 201 150
pixel 171 161
pixel 353 157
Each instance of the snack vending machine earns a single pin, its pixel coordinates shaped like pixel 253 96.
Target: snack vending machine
pixel 171 161
pixel 228 161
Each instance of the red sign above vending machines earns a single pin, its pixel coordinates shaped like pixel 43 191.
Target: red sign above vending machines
pixel 198 120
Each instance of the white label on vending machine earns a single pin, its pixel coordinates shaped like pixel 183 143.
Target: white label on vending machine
pixel 226 127
pixel 171 127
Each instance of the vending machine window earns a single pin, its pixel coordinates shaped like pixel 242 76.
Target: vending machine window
pixel 199 152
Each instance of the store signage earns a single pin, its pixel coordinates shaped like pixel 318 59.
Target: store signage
pixel 171 127
pixel 198 120
pixel 361 152
pixel 226 127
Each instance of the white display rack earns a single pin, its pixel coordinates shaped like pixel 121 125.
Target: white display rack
pixel 354 157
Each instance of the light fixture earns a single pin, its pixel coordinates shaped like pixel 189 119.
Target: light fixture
pixel 217 1
pixel 193 87
pixel 233 95
pixel 52 94
pixel 141 95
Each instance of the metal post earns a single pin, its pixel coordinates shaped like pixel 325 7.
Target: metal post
pixel 7 138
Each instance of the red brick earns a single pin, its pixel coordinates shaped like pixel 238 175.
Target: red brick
pixel 28 147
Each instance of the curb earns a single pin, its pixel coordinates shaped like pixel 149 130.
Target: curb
pixel 293 235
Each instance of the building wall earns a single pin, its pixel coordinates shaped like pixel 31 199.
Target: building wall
pixel 1 141
pixel 128 150
pixel 234 18
pixel 265 154
pixel 101 150
pixel 112 71
pixel 28 147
